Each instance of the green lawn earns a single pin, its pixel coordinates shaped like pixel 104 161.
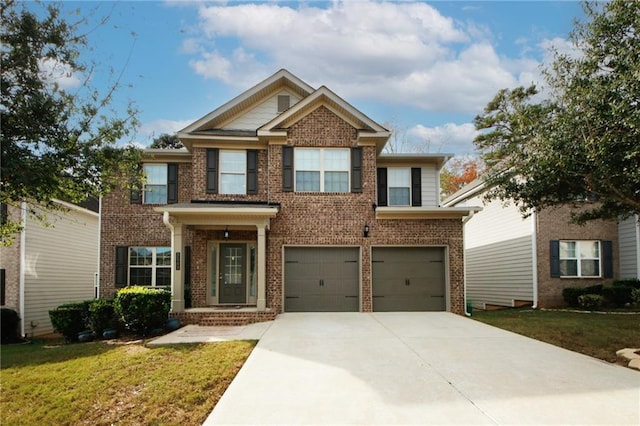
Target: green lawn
pixel 596 334
pixel 102 384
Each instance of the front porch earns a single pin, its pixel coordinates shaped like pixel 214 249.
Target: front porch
pixel 224 315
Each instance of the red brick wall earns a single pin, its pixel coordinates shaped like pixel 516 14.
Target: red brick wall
pixel 553 224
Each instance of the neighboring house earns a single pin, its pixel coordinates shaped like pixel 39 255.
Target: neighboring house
pixel 516 261
pixel 281 201
pixel 49 265
pixel 629 236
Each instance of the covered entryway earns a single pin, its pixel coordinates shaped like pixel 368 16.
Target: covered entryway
pixel 321 279
pixel 408 279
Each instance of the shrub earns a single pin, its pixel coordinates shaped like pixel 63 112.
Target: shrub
pixel 627 283
pixel 618 295
pixel 101 316
pixel 143 309
pixel 635 296
pixel 594 289
pixel 68 320
pixel 9 321
pixel 591 302
pixel 571 295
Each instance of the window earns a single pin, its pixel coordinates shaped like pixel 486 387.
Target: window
pixel 399 186
pixel 150 266
pixel 322 170
pixel 155 188
pixel 580 258
pixel 233 169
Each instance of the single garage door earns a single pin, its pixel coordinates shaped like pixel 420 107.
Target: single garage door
pixel 408 279
pixel 321 279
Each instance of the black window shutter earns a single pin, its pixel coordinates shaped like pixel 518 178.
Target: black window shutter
pixel 607 259
pixel 187 276
pixel 416 187
pixel 4 214
pixel 121 266
pixel 212 170
pixel 172 183
pixel 356 169
pixel 135 194
pixel 382 186
pixel 554 256
pixel 287 169
pixel 3 287
pixel 252 172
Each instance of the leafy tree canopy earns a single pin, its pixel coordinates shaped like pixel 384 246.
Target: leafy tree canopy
pixel 167 141
pixel 583 141
pixel 57 142
pixel 458 172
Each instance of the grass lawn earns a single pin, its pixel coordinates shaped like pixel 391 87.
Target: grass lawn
pixel 102 384
pixel 596 334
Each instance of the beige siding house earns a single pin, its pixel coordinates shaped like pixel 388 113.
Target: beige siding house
pixel 514 261
pixel 50 265
pixel 629 233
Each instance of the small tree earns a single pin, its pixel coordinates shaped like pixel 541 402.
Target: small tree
pixel 167 141
pixel 458 172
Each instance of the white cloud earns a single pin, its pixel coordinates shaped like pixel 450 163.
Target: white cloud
pixel 56 72
pixel 155 128
pixel 448 138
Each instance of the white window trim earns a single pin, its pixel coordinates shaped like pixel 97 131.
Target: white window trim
pixel 166 184
pixel 322 170
pixel 154 265
pixel 408 187
pixel 222 172
pixel 578 259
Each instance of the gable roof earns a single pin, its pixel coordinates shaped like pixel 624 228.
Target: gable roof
pixel 279 80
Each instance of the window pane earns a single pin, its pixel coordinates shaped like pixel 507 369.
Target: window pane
pixel 155 174
pixel 590 249
pixel 308 181
pixel 214 271
pixel 398 177
pixel 163 256
pixel 567 249
pixel 140 256
pixel 336 159
pixel 590 268
pixel 163 277
pixel 232 184
pixel 336 182
pixel 233 162
pixel 140 276
pixel 569 268
pixel 398 196
pixel 307 159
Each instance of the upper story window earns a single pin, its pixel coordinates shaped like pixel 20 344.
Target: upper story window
pixel 155 188
pixel 399 186
pixel 580 258
pixel 322 169
pixel 233 172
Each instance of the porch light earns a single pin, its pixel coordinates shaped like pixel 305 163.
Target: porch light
pixel 366 230
pixel 226 233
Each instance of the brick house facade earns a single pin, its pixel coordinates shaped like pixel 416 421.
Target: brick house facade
pixel 282 201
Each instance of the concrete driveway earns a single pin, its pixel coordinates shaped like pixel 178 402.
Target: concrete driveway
pixel 419 368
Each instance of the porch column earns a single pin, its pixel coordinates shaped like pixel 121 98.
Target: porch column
pixel 177 263
pixel 262 268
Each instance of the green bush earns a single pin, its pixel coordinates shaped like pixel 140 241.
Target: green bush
pixel 594 289
pixel 69 320
pixel 591 302
pixel 101 316
pixel 633 283
pixel 618 295
pixel 571 295
pixel 635 296
pixel 9 321
pixel 143 309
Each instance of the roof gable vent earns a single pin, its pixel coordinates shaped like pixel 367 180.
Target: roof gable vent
pixel 284 102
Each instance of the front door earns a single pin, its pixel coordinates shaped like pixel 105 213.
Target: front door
pixel 232 276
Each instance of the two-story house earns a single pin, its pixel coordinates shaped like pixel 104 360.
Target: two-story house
pixel 283 201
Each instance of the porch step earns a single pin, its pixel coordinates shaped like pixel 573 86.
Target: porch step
pixel 224 317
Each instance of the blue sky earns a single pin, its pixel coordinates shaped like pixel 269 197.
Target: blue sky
pixel 423 68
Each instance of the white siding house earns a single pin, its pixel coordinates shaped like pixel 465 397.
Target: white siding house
pixel 629 246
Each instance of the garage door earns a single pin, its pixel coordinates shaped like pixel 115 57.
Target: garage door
pixel 408 279
pixel 319 279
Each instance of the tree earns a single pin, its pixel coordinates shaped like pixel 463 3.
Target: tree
pixel 583 141
pixel 56 143
pixel 166 141
pixel 458 172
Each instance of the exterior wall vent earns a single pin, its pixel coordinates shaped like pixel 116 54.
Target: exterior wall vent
pixel 284 102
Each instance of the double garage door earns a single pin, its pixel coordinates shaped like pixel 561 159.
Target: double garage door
pixel 326 279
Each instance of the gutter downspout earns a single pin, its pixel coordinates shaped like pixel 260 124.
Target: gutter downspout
pixel 97 283
pixel 534 258
pixel 464 264
pixel 23 262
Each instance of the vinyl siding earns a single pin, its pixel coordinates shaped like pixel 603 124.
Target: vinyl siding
pixel 60 265
pixel 260 114
pixel 500 273
pixel 430 190
pixel 628 240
